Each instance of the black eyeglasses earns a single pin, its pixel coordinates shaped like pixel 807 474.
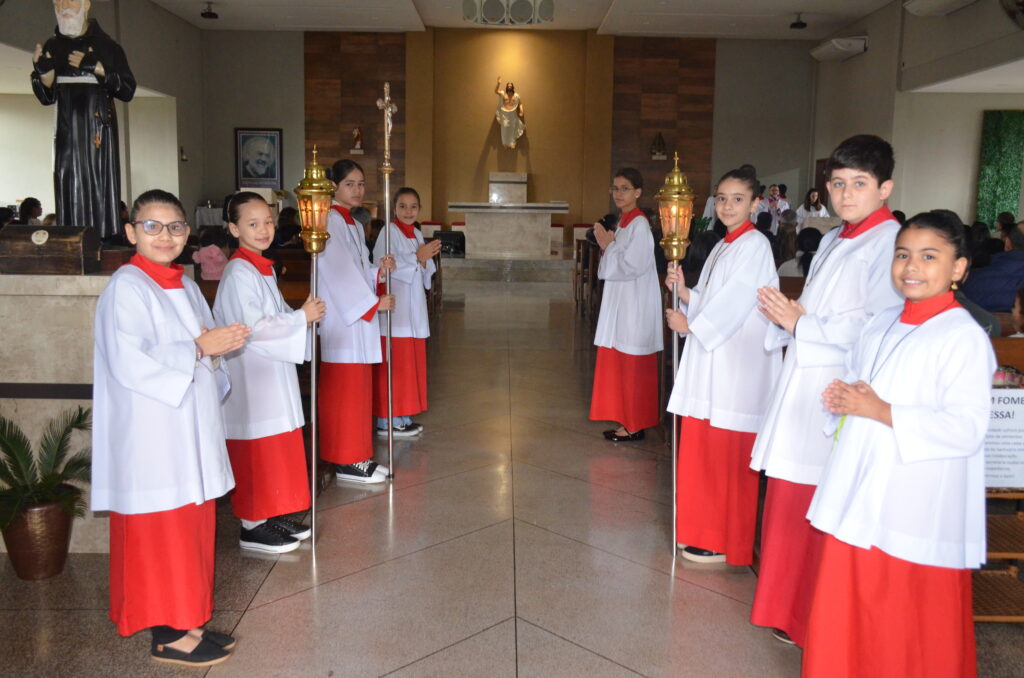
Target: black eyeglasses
pixel 154 227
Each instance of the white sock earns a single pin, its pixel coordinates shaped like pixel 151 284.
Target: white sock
pixel 249 524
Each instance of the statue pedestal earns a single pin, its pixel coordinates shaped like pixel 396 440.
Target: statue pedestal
pixel 508 231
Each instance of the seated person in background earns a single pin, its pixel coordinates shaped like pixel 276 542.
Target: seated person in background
pixel 994 287
pixel 212 255
pixel 811 207
pixel 986 320
pixel 900 216
pixel 6 216
pixel 1018 315
pixel 764 224
pixel 29 212
pixel 49 220
pixel 697 255
pixel 983 245
pixel 787 234
pixel 289 230
pixel 807 242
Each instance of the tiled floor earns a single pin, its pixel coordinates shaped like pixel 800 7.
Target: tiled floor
pixel 515 541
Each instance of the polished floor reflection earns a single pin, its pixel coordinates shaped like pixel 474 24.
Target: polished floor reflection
pixel 515 541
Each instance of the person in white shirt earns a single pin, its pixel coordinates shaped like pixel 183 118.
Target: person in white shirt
pixel 410 324
pixel 263 413
pixel 811 207
pixel 629 325
pixel 159 460
pixel 775 204
pixel 902 496
pixel 847 282
pixel 350 334
pixel 721 389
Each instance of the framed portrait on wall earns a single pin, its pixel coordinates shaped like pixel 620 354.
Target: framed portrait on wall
pixel 258 157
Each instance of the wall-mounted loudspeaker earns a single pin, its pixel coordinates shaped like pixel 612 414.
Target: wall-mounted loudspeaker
pixel 840 49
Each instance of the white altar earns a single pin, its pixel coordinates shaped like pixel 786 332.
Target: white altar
pixel 508 227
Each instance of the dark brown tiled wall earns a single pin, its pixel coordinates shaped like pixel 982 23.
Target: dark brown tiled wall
pixel 664 85
pixel 345 75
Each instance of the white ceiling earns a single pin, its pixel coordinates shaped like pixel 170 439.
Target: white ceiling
pixel 767 19
pixel 1005 79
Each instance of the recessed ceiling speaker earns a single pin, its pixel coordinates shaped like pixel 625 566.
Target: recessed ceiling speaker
pixel 508 12
pixel 493 12
pixel 520 12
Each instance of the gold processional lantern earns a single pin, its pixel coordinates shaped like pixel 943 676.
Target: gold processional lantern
pixel 675 211
pixel 314 194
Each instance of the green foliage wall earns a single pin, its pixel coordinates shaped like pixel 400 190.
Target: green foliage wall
pixel 1002 159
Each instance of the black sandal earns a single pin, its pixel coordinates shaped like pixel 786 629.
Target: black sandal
pixel 206 653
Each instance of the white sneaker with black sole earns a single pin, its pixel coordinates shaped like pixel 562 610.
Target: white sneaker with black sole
pixel 408 431
pixel 266 538
pixel 291 528
pixel 699 555
pixel 365 472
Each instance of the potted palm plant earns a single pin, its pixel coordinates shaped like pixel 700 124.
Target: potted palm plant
pixel 37 498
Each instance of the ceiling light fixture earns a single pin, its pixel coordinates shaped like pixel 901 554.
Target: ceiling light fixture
pixel 208 13
pixel 508 12
pixel 799 24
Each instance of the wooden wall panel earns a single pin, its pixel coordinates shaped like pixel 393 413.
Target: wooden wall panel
pixel 344 77
pixel 664 85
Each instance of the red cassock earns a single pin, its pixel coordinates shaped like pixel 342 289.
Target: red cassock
pixel 408 377
pixel 876 616
pixel 790 557
pixel 716 491
pixel 270 476
pixel 626 389
pixel 161 568
pixel 346 403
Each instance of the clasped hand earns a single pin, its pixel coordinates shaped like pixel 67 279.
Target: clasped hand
pixel 222 340
pixel 858 399
pixel 428 251
pixel 779 308
pixel 603 236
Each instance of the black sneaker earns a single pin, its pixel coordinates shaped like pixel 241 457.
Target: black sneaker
pixel 292 528
pixel 699 555
pixel 206 653
pixel 268 539
pixel 407 431
pixel 363 472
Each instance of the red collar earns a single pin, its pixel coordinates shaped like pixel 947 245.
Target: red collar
pixel 408 230
pixel 877 217
pixel 263 265
pixel 916 312
pixel 167 277
pixel 746 227
pixel 627 217
pixel 345 213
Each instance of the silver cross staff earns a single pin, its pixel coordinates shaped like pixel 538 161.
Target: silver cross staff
pixel 385 104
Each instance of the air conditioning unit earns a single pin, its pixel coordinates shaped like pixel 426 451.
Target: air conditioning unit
pixel 840 49
pixel 935 7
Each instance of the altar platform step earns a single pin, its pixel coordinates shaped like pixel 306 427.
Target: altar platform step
pixel 508 270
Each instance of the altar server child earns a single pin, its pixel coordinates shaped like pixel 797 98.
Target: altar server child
pixel 410 325
pixel 263 413
pixel 159 460
pixel 902 496
pixel 629 325
pixel 350 334
pixel 725 376
pixel 848 282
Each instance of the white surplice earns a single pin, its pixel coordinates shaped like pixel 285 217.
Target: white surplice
pixel 849 282
pixel 630 320
pixel 916 490
pixel 158 440
pixel 409 283
pixel 726 373
pixel 348 285
pixel 264 399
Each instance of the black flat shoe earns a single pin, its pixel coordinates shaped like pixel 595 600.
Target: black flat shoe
pixel 222 640
pixel 612 436
pixel 206 653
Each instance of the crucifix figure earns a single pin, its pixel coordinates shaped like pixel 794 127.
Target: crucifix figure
pixel 390 108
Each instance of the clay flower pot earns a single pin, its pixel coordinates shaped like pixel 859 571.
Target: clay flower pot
pixel 38 539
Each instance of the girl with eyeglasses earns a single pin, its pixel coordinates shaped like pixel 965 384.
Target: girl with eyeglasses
pixel 159 459
pixel 263 417
pixel 629 325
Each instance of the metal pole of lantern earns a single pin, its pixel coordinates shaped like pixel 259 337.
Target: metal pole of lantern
pixel 388 107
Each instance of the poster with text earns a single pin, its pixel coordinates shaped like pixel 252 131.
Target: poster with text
pixel 1004 442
